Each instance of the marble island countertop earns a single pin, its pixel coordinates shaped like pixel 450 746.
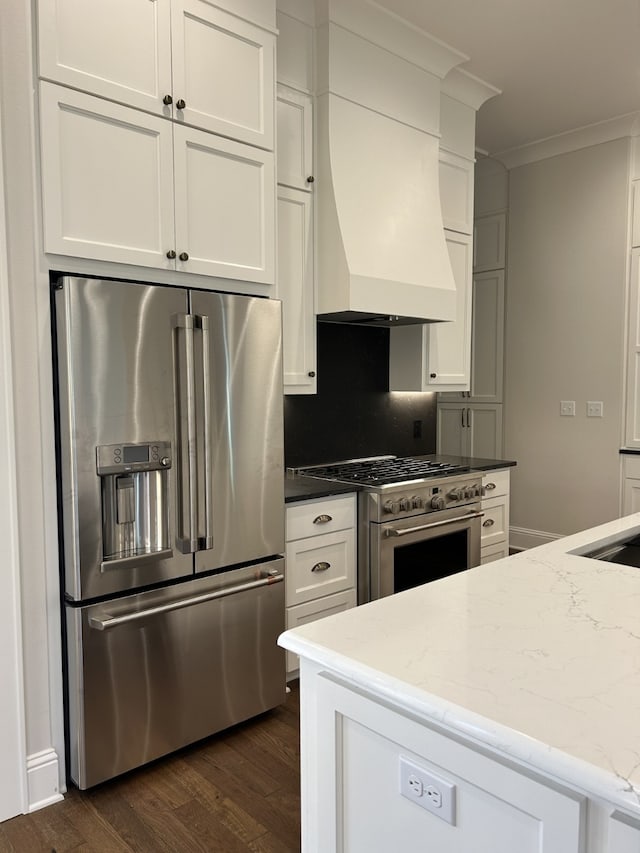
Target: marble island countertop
pixel 536 656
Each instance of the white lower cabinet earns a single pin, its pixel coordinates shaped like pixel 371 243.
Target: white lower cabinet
pixel 630 483
pixel 320 560
pixel 494 543
pixel 354 749
pixel 470 429
pixel 124 186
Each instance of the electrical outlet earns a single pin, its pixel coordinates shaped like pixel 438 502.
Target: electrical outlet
pixel 594 408
pixel 427 790
pixel 567 408
pixel 417 429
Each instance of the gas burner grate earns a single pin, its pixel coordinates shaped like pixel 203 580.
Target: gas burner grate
pixel 381 472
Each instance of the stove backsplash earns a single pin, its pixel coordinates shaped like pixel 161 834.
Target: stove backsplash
pixel 354 414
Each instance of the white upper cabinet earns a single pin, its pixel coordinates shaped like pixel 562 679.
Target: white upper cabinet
pixel 489 242
pixel 224 207
pixel 119 49
pixel 295 149
pixel 436 356
pixel 107 180
pixel 183 59
pixel 456 192
pixel 109 194
pixel 223 73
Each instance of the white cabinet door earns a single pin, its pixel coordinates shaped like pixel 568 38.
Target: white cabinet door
pixel 456 192
pixel 631 497
pixel 224 207
pixel 437 356
pixel 295 287
pixel 469 430
pixel 623 834
pixel 107 180
pixel 224 72
pixel 119 49
pixel 487 344
pixel 295 148
pixel 632 438
pixel 484 425
pixel 452 433
pixel 311 611
pixel 489 242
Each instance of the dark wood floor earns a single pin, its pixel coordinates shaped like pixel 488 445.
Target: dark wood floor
pixel 235 792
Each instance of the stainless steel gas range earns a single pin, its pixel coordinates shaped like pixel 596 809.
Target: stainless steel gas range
pixel 418 519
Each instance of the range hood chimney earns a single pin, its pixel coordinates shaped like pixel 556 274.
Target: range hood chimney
pixel 382 257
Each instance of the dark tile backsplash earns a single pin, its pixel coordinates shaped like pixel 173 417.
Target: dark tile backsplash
pixel 353 414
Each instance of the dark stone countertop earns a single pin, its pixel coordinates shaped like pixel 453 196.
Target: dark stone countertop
pixel 299 488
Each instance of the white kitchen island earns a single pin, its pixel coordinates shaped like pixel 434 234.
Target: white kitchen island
pixel 518 683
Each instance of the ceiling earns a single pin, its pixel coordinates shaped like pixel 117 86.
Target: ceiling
pixel 561 64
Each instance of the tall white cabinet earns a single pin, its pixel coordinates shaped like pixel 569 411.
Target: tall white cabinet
pixel 470 419
pixel 159 151
pixel 295 284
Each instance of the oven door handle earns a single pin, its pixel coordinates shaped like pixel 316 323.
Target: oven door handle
pixel 391 531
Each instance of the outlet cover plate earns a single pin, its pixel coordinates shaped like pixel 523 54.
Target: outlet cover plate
pixel 426 789
pixel 567 408
pixel 595 409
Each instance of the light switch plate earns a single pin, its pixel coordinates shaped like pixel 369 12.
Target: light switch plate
pixel 595 409
pixel 567 408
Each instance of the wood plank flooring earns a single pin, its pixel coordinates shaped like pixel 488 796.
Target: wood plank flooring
pixel 237 791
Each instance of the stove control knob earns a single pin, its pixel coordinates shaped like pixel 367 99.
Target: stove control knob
pixel 455 494
pixel 416 502
pixel 437 502
pixel 404 504
pixel 469 493
pixel 389 507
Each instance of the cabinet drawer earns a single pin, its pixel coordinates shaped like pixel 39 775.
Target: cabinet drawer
pixel 494 552
pixel 496 483
pixel 320 565
pixel 495 522
pixel 325 515
pixel 302 614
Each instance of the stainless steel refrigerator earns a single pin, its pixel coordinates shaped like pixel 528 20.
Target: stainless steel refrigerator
pixel 170 461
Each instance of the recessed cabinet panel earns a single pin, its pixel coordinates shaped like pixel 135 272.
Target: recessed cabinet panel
pixel 456 192
pixel 488 337
pixel 294 139
pixel 452 434
pixel 223 69
pixel 119 49
pixel 633 357
pixel 295 289
pixel 485 431
pixel 450 343
pixel 225 207
pixel 106 179
pixel 489 242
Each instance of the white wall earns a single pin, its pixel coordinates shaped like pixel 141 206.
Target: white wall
pixel 565 320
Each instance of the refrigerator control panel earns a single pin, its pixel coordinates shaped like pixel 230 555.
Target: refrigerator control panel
pixel 126 458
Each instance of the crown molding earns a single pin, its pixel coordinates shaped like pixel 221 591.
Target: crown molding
pixel 572 140
pixel 467 88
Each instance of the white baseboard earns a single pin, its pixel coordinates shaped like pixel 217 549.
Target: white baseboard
pixel 521 539
pixel 42 779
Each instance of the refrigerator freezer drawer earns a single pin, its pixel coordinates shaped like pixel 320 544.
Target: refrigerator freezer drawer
pixel 153 672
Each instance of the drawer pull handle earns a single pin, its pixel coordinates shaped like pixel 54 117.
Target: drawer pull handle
pixel 489 522
pixel 490 486
pixel 322 519
pixel 321 567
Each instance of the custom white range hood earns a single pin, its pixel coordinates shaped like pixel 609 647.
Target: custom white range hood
pixel 382 257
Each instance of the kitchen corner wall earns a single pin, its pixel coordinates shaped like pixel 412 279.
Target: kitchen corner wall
pixel 565 322
pixel 354 414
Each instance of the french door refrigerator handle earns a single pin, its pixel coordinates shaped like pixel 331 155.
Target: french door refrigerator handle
pixel 202 323
pixel 106 621
pixel 187 540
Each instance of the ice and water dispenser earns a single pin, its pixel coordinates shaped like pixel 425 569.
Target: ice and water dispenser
pixel 135 500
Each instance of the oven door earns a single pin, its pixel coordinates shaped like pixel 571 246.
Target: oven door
pixel 412 551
